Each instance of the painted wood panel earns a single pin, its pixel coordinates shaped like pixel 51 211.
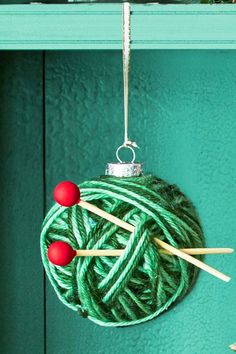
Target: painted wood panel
pixel 183 117
pixel 99 26
pixel 187 110
pixel 22 203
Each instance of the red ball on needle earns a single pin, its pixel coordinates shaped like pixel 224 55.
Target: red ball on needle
pixel 67 194
pixel 61 253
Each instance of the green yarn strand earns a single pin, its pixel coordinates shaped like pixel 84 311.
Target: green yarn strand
pixel 143 282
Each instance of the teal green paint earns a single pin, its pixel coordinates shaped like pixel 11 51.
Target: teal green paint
pixel 99 26
pixel 184 102
pixel 21 212
pixel 182 113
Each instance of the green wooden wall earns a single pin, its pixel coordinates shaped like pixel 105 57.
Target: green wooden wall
pixel 61 118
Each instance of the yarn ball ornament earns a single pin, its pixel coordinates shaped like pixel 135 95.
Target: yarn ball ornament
pixel 141 283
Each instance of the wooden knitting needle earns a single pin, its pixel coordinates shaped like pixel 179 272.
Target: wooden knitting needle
pixel 193 260
pixel 163 244
pixel 118 252
pixel 198 251
pixel 61 253
pixel 68 194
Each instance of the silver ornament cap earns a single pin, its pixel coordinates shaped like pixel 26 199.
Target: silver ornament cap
pixel 124 169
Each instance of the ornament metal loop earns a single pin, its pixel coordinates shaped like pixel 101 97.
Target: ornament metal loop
pixel 124 169
pixel 125 147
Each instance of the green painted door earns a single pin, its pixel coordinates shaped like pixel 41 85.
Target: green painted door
pixel 61 118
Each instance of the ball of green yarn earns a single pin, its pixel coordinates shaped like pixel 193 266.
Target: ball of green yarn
pixel 143 282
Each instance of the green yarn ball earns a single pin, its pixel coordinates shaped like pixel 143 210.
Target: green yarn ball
pixel 141 283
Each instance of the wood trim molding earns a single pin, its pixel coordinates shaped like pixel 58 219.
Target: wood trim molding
pixel 99 26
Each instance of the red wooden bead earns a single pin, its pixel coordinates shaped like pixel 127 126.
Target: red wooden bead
pixel 67 194
pixel 60 253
